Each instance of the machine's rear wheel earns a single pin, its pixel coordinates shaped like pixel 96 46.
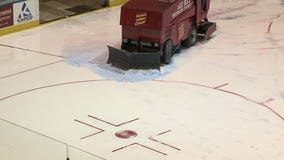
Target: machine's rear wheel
pixel 168 52
pixel 192 37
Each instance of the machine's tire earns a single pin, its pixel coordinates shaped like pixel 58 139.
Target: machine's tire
pixel 168 52
pixel 192 37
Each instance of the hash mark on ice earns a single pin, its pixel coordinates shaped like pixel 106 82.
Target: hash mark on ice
pixel 132 144
pixel 116 125
pixel 221 86
pixel 84 123
pixel 163 143
pixel 267 101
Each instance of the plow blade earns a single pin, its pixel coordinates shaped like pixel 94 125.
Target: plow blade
pixel 126 60
pixel 207 29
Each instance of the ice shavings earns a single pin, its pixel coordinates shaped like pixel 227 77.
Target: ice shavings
pixel 98 65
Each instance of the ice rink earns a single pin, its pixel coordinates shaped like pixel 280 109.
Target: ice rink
pixel 222 99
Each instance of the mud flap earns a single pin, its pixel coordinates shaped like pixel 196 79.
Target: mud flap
pixel 125 60
pixel 207 29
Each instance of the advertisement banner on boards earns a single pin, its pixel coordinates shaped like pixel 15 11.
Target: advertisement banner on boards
pixel 6 16
pixel 25 11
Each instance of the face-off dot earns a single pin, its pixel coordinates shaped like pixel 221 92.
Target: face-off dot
pixel 125 134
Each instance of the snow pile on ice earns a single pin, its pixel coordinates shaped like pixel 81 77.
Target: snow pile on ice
pixel 99 66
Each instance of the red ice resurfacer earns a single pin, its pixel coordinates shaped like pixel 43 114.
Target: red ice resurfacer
pixel 153 30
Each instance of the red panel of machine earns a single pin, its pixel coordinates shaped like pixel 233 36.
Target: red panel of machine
pixel 142 18
pixel 153 14
pixel 149 35
pixel 159 27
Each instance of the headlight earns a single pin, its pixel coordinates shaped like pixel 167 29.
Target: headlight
pixel 147 44
pixel 134 42
pixel 156 44
pixel 124 40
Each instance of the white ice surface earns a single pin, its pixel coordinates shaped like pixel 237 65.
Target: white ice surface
pixel 220 100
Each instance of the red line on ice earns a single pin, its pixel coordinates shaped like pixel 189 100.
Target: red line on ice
pixel 25 49
pixel 272 110
pixel 50 86
pixel 267 101
pixel 116 125
pixel 225 91
pixel 124 147
pixel 221 86
pixel 159 81
pixel 163 143
pixel 93 134
pixel 88 136
pixel 163 132
pixel 88 125
pixel 31 69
